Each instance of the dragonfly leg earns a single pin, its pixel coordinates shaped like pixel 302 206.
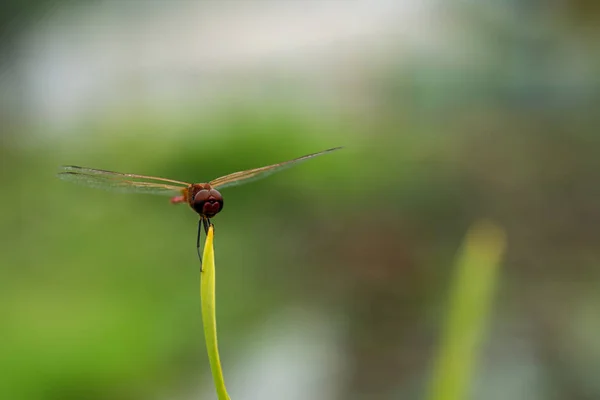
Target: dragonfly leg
pixel 206 225
pixel 198 241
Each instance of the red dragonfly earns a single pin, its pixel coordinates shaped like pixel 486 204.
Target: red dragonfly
pixel 204 198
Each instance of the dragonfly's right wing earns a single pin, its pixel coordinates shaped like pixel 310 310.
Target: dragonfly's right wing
pixel 116 181
pixel 238 178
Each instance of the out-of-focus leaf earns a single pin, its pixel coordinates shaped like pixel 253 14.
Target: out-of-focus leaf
pixel 469 305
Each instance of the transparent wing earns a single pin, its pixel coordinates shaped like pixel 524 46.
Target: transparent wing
pixel 116 181
pixel 238 178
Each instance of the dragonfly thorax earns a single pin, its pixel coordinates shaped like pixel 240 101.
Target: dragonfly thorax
pixel 205 200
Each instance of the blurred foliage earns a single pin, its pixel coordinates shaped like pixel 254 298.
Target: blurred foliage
pixel 98 291
pixel 471 296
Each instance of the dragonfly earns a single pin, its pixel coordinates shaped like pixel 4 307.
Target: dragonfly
pixel 203 198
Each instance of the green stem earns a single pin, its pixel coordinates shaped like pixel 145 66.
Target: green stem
pixel 207 298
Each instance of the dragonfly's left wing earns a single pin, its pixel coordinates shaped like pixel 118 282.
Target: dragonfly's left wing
pixel 117 181
pixel 238 178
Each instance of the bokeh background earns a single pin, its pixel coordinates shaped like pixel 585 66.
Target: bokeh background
pixel 333 276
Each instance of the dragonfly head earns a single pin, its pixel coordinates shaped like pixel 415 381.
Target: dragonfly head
pixel 207 202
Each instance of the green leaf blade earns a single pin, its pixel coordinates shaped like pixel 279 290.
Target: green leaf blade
pixel 207 298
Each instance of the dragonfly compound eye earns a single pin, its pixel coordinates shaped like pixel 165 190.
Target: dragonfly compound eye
pixel 208 202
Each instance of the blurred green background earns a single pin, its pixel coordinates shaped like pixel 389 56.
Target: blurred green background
pixel 332 277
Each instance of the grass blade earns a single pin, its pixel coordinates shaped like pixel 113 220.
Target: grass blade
pixel 207 298
pixel 469 305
